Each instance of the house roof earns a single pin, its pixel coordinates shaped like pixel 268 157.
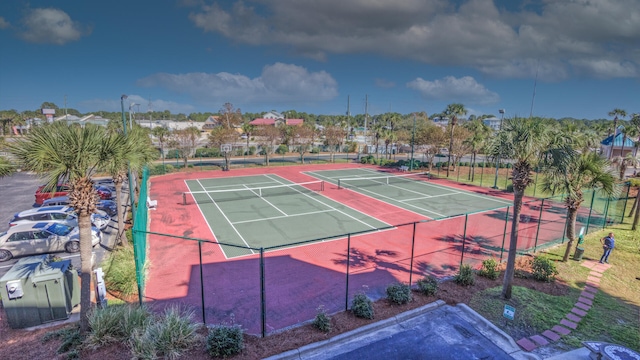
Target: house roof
pixel 618 141
pixel 212 120
pixel 295 121
pixel 263 122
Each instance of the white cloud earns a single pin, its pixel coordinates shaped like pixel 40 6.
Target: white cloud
pixel 157 105
pixel 465 89
pixel 4 23
pixel 559 39
pixel 51 26
pixel 278 83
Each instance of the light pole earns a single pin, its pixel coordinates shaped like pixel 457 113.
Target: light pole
pixel 495 182
pixel 124 127
pixel 130 110
pixel 413 140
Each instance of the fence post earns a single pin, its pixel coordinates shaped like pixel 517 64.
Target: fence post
pixel 564 231
pixel 504 232
pixel 606 212
pixel 535 245
pixel 204 318
pixel 535 185
pixel 624 208
pixel 464 237
pixel 346 298
pixel 482 172
pixel 506 177
pixel 593 196
pixel 263 301
pixel 413 243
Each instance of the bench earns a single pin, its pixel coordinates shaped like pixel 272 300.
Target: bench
pixel 151 204
pixel 404 168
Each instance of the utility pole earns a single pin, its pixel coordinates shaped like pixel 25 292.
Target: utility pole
pixel 65 107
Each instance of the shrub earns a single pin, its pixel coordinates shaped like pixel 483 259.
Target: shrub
pixel 489 269
pixel 116 323
pixel 315 150
pixel 510 188
pixel 225 340
pixel 252 150
pixel 544 269
pixel 70 336
pixel 362 307
pixel 399 293
pixel 322 321
pixel 120 271
pixel 282 149
pixel 428 285
pixel 465 276
pixel 169 336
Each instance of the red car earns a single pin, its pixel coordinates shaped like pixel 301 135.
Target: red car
pixel 63 190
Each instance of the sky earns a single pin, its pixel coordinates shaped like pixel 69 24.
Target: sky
pixel 549 58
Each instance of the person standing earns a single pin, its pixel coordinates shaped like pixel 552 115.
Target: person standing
pixel 608 243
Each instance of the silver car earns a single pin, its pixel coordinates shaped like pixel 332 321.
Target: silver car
pixel 42 238
pixel 62 214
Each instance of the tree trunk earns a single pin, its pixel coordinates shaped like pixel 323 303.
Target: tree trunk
pixel 513 243
pixel 635 204
pixel 84 223
pixel 572 214
pixel 120 238
pixel 450 148
pixel 186 159
pixel 637 215
pixel 226 161
pixel 266 158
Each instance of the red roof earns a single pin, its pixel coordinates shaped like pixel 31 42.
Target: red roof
pixel 295 121
pixel 263 122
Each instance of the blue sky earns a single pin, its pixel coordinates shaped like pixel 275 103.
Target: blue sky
pixel 310 55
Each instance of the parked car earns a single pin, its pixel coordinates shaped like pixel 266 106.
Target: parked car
pixel 60 214
pixel 42 238
pixel 108 206
pixel 62 190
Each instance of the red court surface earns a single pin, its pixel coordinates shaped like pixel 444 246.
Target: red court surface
pixel 298 280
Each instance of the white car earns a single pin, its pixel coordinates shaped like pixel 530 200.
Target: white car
pixel 60 214
pixel 42 238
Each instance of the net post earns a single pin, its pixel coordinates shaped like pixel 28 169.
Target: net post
pixel 322 186
pixel 184 198
pixel 339 186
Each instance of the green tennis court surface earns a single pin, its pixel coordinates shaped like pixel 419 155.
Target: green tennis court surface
pixel 412 192
pixel 267 210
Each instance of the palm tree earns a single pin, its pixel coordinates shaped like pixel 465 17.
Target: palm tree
pixel 248 129
pixel 453 111
pixel 60 152
pixel 628 131
pixel 527 143
pixel 589 170
pixel 5 167
pixel 615 113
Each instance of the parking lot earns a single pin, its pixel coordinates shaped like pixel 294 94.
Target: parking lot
pixel 17 194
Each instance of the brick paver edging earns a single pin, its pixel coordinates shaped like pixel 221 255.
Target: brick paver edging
pixel 573 318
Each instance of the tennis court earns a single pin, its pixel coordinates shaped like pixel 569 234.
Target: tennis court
pixel 412 192
pixel 262 211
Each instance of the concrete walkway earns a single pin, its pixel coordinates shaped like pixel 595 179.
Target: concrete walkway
pixel 573 318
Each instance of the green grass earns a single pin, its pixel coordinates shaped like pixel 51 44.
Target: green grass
pixel 614 316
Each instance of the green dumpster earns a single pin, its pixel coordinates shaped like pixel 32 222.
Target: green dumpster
pixel 36 291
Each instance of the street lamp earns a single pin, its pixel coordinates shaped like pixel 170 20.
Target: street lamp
pixel 124 127
pixel 130 121
pixel 495 182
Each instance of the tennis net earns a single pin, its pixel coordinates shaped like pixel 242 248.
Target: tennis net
pixel 211 196
pixel 357 182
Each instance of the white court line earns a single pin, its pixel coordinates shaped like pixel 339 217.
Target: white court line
pixel 340 211
pixel 229 221
pixel 485 197
pixel 265 200
pixel 386 202
pixel 281 217
pixel 234 186
pixel 427 197
pixel 358 190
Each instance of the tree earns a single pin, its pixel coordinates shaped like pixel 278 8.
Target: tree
pixel 628 131
pixel 5 167
pixel 588 170
pixel 615 113
pixel 622 163
pixel 60 152
pixel 480 132
pixel 248 130
pixel 231 116
pixel 186 141
pixel 430 138
pixel 527 142
pixel 222 135
pixel 333 135
pixel 268 137
pixel 452 112
pixel 460 146
pixel 302 136
pixel 162 134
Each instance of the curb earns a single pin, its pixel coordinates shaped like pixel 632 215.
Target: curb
pixel 493 333
pixel 304 351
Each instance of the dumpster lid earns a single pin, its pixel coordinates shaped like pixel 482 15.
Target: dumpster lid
pixel 50 271
pixel 25 267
